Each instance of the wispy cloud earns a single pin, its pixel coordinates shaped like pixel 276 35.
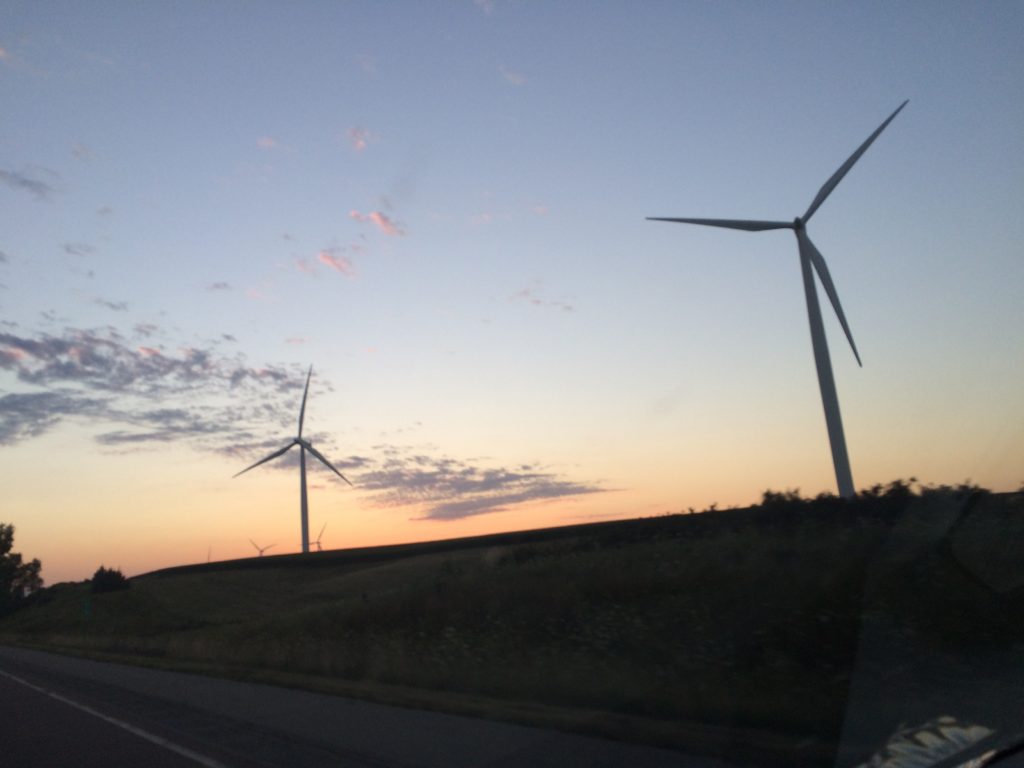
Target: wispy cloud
pixel 26 183
pixel 4 54
pixel 532 296
pixel 487 6
pixel 360 138
pixel 219 286
pixel 141 392
pixel 332 258
pixel 4 258
pixel 81 151
pixel 138 393
pixel 104 210
pixel 450 489
pixel 267 142
pixel 78 249
pixel 25 415
pixel 381 220
pixel 117 306
pixel 512 77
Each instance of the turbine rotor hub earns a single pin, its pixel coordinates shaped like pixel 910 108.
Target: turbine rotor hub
pixel 798 223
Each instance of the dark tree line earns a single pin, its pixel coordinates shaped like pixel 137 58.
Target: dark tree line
pixel 18 579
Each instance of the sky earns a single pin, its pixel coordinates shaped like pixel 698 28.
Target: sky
pixel 441 208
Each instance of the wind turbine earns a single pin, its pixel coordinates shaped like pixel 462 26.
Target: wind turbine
pixel 260 549
pixel 304 445
pixel 811 259
pixel 318 537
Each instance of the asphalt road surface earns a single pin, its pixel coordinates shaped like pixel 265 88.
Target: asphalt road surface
pixel 58 711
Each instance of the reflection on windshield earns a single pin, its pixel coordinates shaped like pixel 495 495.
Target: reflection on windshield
pixel 939 665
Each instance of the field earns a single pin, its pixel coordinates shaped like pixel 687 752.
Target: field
pixel 738 633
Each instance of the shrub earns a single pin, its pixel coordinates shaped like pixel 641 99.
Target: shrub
pixel 109 580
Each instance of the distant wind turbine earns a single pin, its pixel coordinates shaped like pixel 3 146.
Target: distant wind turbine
pixel 811 258
pixel 260 549
pixel 304 445
pixel 318 537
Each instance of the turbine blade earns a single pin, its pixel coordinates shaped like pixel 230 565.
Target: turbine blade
pixel 808 250
pixel 749 226
pixel 325 462
pixel 254 543
pixel 831 184
pixel 321 532
pixel 302 410
pixel 264 460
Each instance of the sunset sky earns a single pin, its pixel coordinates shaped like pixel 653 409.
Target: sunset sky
pixel 441 208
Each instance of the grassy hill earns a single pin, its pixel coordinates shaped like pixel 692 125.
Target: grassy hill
pixel 732 632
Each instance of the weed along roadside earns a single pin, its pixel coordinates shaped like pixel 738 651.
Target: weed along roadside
pixel 733 632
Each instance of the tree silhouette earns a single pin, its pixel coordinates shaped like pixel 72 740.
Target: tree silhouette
pixel 17 579
pixel 109 580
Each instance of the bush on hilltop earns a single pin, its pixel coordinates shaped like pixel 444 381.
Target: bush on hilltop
pixel 109 580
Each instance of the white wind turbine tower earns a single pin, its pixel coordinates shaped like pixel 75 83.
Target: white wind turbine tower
pixel 810 259
pixel 304 445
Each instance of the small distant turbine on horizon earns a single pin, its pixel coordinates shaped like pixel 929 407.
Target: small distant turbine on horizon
pixel 811 259
pixel 260 549
pixel 319 536
pixel 304 445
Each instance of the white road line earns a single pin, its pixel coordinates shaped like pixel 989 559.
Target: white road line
pixel 209 762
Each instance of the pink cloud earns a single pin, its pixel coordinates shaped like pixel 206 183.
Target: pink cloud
pixel 149 351
pixel 360 138
pixel 296 340
pixel 303 265
pixel 4 54
pixel 266 142
pixel 513 78
pixel 381 220
pixel 256 294
pixel 367 63
pixel 332 258
pixel 530 296
pixel 487 6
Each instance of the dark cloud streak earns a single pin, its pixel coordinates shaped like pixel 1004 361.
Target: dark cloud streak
pixel 24 183
pixel 454 489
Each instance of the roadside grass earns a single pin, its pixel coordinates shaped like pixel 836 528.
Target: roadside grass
pixel 731 632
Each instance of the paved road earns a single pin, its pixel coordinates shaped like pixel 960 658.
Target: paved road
pixel 61 711
pixel 38 730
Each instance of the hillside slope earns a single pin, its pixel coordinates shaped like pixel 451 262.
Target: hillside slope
pixel 735 632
